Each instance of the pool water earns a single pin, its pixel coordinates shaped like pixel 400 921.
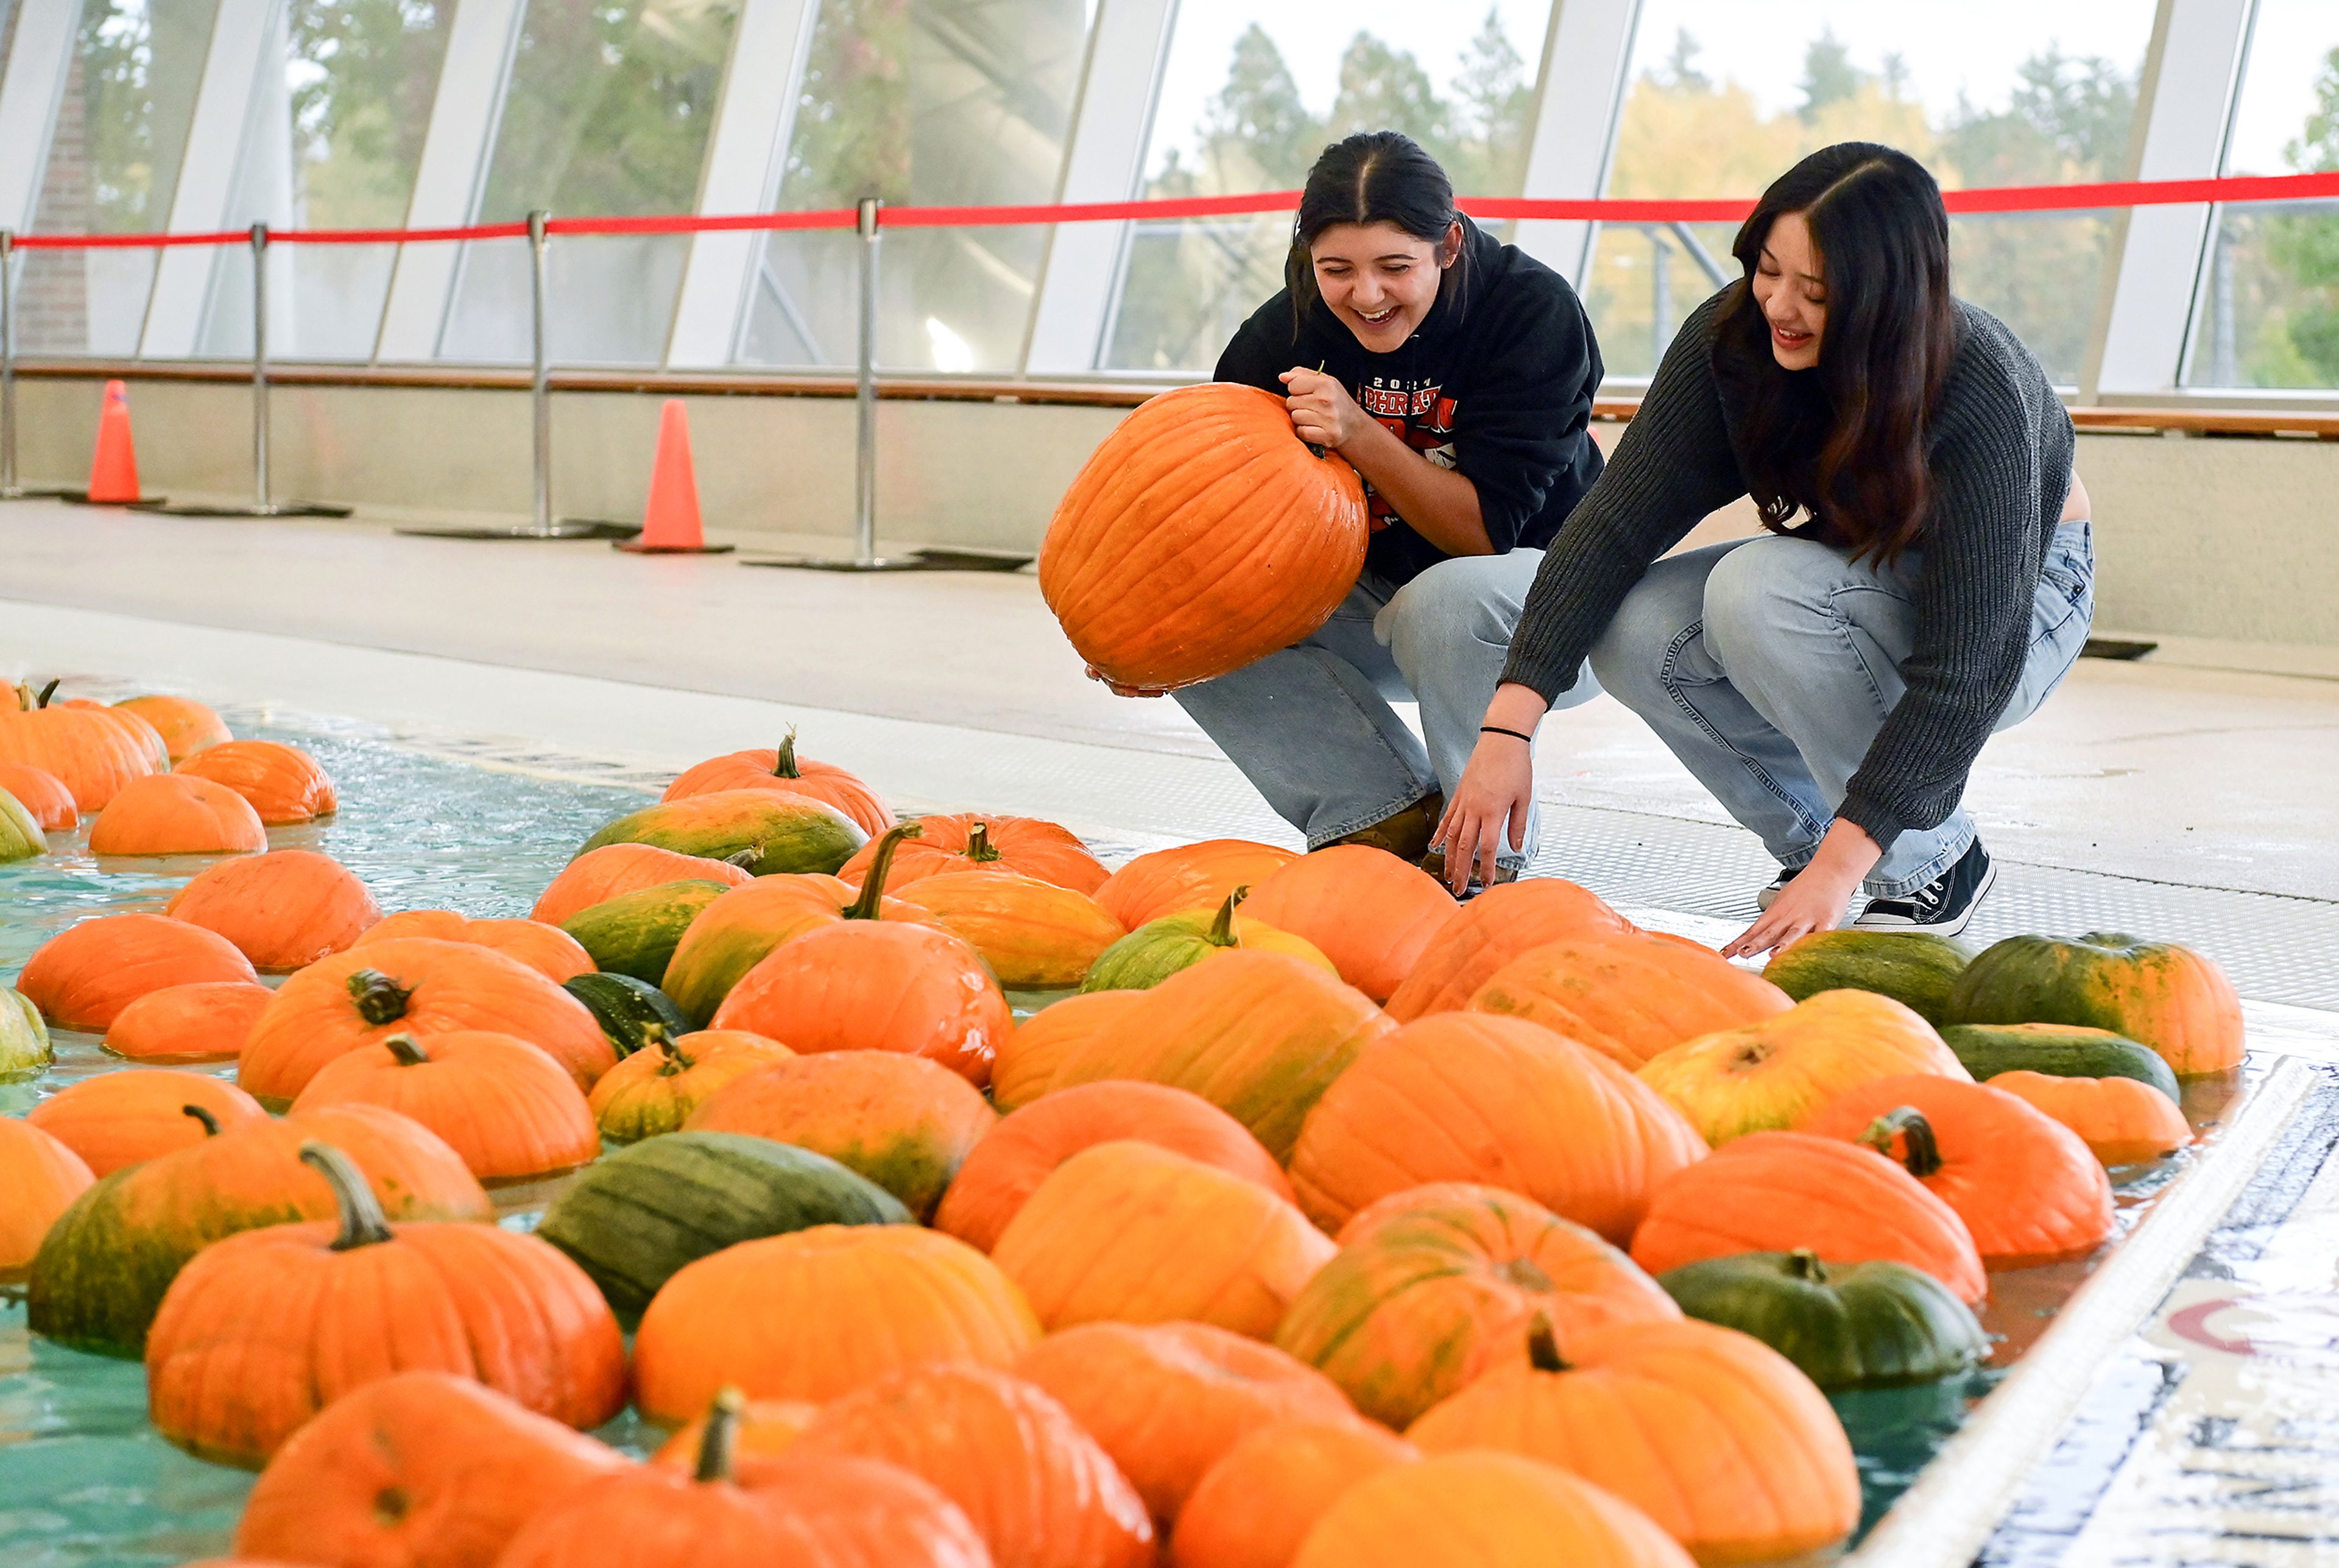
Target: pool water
pixel 85 1483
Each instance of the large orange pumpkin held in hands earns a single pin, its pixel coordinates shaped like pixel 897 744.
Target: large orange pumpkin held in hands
pixel 1203 534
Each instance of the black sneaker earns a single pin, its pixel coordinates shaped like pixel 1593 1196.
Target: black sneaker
pixel 1942 907
pixel 1769 895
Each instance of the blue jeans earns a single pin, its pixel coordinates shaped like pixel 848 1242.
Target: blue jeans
pixel 1311 727
pixel 1768 666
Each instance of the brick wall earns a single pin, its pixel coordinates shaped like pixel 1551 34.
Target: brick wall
pixel 53 303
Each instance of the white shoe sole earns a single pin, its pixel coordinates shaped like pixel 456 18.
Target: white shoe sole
pixel 1940 928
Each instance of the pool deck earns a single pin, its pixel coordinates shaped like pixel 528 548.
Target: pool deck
pixel 2185 1403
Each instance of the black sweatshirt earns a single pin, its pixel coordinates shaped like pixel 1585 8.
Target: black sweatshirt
pixel 1999 449
pixel 1497 382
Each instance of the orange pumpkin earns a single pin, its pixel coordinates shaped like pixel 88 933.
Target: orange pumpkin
pixel 600 874
pixel 122 1119
pixel 1777 1073
pixel 1484 1509
pixel 2121 1120
pixel 1038 1488
pixel 1711 1433
pixel 42 795
pixel 764 1429
pixel 284 783
pixel 1785 1191
pixel 1433 1285
pixel 1025 1148
pixel 2029 1190
pixel 1259 1035
pixel 655 1089
pixel 1034 935
pixel 1491 930
pixel 1370 913
pixel 142 734
pixel 41 1177
pixel 417 986
pixel 1026 1066
pixel 206 1021
pixel 283 910
pixel 1188 876
pixel 186 725
pixel 780 768
pixel 738 931
pixel 176 814
pixel 1022 845
pixel 83 977
pixel 512 1113
pixel 1202 536
pixel 1254 1507
pixel 1628 998
pixel 1089 1245
pixel 816 1313
pixel 244 1348
pixel 418 1467
pixel 1166 1400
pixel 1471 1097
pixel 87 750
pixel 905 1123
pixel 546 949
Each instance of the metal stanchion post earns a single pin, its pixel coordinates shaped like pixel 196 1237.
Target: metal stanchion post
pixel 10 490
pixel 263 504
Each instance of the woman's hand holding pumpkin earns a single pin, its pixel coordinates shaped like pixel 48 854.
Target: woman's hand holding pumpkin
pixel 1322 412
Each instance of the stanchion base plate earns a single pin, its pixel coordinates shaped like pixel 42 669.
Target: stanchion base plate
pixel 635 547
pixel 915 561
pixel 30 493
pixel 274 509
pixel 81 499
pixel 567 529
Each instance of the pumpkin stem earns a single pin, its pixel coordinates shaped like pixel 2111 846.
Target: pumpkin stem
pixel 783 761
pixel 1804 1264
pixel 362 1221
pixel 1222 930
pixel 211 1123
pixel 407 1049
pixel 671 1060
pixel 720 1437
pixel 41 698
pixel 978 842
pixel 745 859
pixel 1920 1149
pixel 872 886
pixel 381 1000
pixel 1542 1347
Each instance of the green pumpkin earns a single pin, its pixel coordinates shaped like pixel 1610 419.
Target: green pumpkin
pixel 634 932
pixel 2059 1050
pixel 628 1008
pixel 1913 968
pixel 2158 993
pixel 23 1037
pixel 1846 1324
pixel 1160 948
pixel 765 830
pixel 636 1218
pixel 21 837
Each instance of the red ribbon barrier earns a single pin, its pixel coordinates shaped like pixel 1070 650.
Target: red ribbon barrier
pixel 2101 195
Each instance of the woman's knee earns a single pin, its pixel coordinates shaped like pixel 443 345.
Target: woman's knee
pixel 1762 596
pixel 1629 658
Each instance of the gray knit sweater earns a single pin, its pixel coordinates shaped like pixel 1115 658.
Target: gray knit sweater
pixel 2001 448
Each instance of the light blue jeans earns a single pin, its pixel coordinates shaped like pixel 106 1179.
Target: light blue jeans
pixel 1768 666
pixel 1311 727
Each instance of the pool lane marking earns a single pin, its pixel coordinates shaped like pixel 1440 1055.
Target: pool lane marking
pixel 1956 1506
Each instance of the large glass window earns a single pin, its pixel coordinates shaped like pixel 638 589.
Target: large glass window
pixel 2268 314
pixel 113 161
pixel 1251 93
pixel 1723 96
pixel 941 103
pixel 332 142
pixel 606 114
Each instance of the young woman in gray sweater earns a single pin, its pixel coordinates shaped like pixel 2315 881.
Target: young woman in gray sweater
pixel 1927 576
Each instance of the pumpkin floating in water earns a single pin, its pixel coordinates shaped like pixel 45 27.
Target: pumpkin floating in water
pixel 21 836
pixel 1025 1068
pixel 2168 997
pixel 186 725
pixel 41 1177
pixel 1202 536
pixel 1874 1324
pixel 2059 1050
pixel 767 831
pixel 87 750
pixel 1778 1072
pixel 142 734
pixel 83 977
pixel 42 795
pixel 602 874
pixel 185 1024
pixel 1919 973
pixel 25 1048
pixel 512 1113
pixel 176 814
pixel 2121 1121
pixel 283 910
pixel 633 1014
pixel 1630 998
pixel 1370 913
pixel 1436 1282
pixel 1167 881
pixel 634 932
pixel 1484 1509
pixel 1474 1098
pixel 118 1120
pixel 1791 1191
pixel 1254 1507
pixel 653 1091
pixel 548 950
pixel 1034 935
pixel 1161 948
pixel 738 931
pixel 1027 846
pixel 1490 931
pixel 781 768
pixel 284 783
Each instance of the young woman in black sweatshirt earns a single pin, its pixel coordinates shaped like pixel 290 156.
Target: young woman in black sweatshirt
pixel 1927 577
pixel 1456 374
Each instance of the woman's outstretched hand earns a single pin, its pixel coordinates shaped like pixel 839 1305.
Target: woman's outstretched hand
pixel 1121 690
pixel 1819 896
pixel 1489 809
pixel 1322 412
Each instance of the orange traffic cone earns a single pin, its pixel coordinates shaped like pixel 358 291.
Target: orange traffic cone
pixel 670 525
pixel 114 470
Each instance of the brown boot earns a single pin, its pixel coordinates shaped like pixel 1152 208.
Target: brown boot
pixel 1433 863
pixel 1405 833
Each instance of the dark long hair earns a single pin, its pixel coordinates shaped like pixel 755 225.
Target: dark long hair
pixel 1373 177
pixel 1846 442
